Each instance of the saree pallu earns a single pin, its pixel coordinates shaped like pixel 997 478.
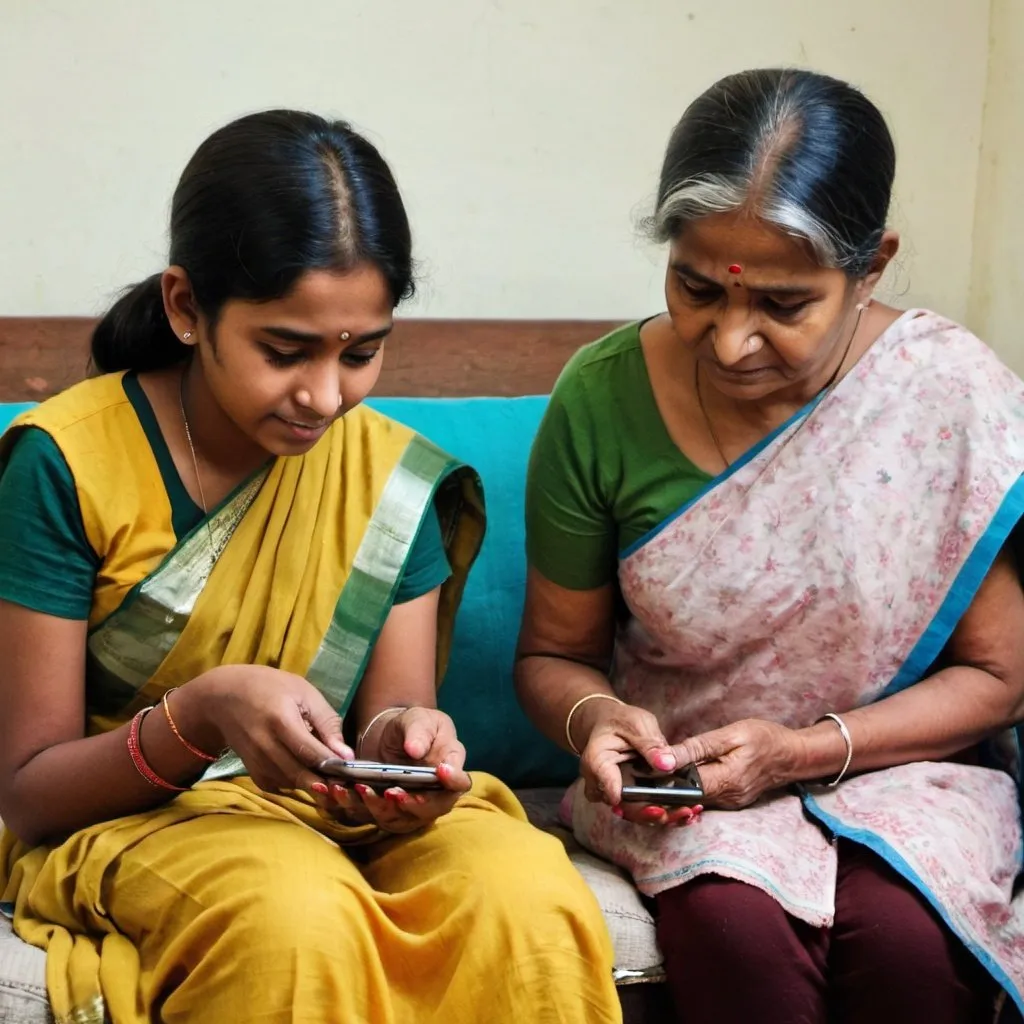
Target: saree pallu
pixel 825 570
pixel 297 569
pixel 218 904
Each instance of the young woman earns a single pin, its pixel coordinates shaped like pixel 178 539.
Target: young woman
pixel 769 531
pixel 207 556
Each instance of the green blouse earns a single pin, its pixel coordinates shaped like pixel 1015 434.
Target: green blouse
pixel 604 471
pixel 46 561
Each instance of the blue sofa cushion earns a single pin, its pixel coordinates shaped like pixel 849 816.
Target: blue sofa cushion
pixel 8 410
pixel 494 436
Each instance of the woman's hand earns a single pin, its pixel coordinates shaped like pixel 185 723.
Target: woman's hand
pixel 279 724
pixel 741 762
pixel 615 734
pixel 423 736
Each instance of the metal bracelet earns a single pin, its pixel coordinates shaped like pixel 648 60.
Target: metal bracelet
pixel 848 740
pixel 572 711
pixel 372 722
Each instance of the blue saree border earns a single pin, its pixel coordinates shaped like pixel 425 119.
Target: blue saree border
pixel 880 847
pixel 966 585
pixel 735 467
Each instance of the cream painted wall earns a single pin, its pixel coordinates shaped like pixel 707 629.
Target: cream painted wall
pixel 997 278
pixel 527 134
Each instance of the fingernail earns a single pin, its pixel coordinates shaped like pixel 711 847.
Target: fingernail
pixel 618 812
pixel 444 766
pixel 664 762
pixel 361 788
pixel 320 787
pixel 654 813
pixel 420 798
pixel 397 796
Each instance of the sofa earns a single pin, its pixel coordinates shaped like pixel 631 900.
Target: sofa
pixel 493 435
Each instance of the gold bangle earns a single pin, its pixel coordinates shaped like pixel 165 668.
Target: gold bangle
pixel 190 747
pixel 572 711
pixel 372 722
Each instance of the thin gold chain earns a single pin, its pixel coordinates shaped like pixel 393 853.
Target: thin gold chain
pixel 829 384
pixel 195 465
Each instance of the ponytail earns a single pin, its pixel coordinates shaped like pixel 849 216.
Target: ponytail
pixel 135 333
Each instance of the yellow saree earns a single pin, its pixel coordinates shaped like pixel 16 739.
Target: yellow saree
pixel 230 904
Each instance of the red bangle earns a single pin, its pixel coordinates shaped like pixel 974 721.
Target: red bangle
pixel 141 764
pixel 193 750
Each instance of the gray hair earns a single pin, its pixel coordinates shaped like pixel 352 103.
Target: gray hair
pixel 802 151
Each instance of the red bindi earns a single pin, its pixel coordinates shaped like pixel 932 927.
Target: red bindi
pixel 735 268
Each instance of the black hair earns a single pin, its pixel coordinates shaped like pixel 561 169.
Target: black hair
pixel 806 152
pixel 263 200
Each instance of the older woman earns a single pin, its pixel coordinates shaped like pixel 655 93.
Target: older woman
pixel 769 532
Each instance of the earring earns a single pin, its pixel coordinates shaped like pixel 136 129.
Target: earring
pixel 186 336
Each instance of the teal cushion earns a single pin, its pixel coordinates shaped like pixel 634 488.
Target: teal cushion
pixel 494 436
pixel 8 410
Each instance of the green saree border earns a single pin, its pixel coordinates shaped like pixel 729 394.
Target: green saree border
pixel 369 592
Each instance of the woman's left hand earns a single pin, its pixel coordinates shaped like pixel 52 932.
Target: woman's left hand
pixel 423 736
pixel 741 762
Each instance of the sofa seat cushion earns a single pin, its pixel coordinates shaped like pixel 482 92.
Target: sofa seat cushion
pixel 637 957
pixel 22 980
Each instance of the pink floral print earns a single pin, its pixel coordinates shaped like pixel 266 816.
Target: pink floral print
pixel 801 584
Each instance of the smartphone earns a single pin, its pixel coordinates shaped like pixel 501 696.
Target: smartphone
pixel 381 776
pixel 681 788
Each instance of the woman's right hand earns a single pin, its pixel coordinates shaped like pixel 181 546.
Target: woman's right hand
pixel 279 724
pixel 617 733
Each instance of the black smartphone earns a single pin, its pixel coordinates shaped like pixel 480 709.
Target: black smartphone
pixel 681 788
pixel 378 776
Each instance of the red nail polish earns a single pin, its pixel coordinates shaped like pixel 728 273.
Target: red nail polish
pixel 618 812
pixel 320 787
pixel 361 788
pixel 654 813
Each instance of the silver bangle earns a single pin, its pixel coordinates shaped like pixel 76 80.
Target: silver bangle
pixel 848 740
pixel 372 722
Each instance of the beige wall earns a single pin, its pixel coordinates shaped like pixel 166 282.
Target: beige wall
pixel 527 134
pixel 997 277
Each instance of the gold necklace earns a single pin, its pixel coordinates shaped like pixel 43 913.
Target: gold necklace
pixel 195 467
pixel 829 384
